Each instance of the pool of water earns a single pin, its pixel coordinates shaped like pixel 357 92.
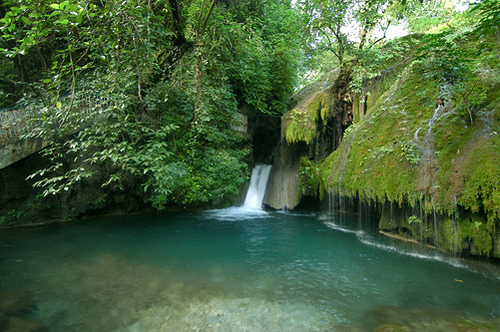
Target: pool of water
pixel 242 270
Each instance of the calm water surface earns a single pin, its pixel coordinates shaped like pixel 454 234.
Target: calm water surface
pixel 243 270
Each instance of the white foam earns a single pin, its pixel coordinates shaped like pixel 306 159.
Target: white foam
pixel 339 228
pixel 237 213
pixel 368 240
pixel 455 262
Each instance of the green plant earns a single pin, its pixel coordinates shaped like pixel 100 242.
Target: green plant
pixel 309 176
pixel 409 152
pixel 12 217
pixel 413 219
pixel 445 59
pixel 164 80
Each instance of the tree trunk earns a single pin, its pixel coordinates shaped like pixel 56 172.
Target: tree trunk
pixel 343 104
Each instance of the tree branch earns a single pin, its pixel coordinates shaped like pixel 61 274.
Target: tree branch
pixel 383 37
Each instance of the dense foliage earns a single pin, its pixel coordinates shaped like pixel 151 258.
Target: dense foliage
pixel 143 95
pixel 147 91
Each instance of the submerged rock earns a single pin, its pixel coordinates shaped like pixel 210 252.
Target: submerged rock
pixel 13 306
pixel 17 324
pixel 4 321
pixel 400 319
pixel 226 314
pixel 16 303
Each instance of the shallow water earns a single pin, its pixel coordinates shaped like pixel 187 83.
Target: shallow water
pixel 243 270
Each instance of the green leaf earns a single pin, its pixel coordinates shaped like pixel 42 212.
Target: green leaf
pixel 79 18
pixel 64 5
pixel 59 105
pixel 54 6
pixel 26 20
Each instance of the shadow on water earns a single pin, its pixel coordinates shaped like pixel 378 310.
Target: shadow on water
pixel 239 269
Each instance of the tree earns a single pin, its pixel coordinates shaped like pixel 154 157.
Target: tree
pixel 164 78
pixel 425 16
pixel 461 74
pixel 489 11
pixel 325 23
pixel 332 25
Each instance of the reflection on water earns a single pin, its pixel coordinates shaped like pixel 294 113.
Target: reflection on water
pixel 238 270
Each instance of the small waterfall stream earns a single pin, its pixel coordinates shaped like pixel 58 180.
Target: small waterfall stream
pixel 257 187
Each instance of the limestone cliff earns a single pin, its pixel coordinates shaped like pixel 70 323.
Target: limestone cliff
pixel 313 128
pixel 432 168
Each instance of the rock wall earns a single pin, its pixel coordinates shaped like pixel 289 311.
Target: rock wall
pixel 433 169
pixel 313 128
pixel 283 186
pixel 437 171
pixel 20 202
pixel 322 115
pixel 11 152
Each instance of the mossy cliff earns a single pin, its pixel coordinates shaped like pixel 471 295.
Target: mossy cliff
pixel 321 117
pixel 434 173
pixel 310 132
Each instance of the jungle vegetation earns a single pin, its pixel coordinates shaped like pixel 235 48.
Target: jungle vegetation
pixel 167 77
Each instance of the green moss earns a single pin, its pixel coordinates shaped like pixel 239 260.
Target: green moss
pixel 478 232
pixel 449 239
pixel 309 177
pixel 299 127
pixel 301 122
pixel 325 169
pixel 404 151
pixel 469 161
pixel 380 161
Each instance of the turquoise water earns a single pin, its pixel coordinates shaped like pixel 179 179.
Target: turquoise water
pixel 243 270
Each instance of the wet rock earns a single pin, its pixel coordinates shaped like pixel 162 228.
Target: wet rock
pixel 282 188
pixel 14 303
pixel 17 324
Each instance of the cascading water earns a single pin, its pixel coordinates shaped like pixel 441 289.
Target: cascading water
pixel 257 188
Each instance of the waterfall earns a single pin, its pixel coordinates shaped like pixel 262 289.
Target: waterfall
pixel 257 188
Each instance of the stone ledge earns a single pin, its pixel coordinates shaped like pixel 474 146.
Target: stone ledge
pixel 15 151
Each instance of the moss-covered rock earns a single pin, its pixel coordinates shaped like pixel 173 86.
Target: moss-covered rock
pixel 301 123
pixel 379 157
pixel 309 177
pixel 414 153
